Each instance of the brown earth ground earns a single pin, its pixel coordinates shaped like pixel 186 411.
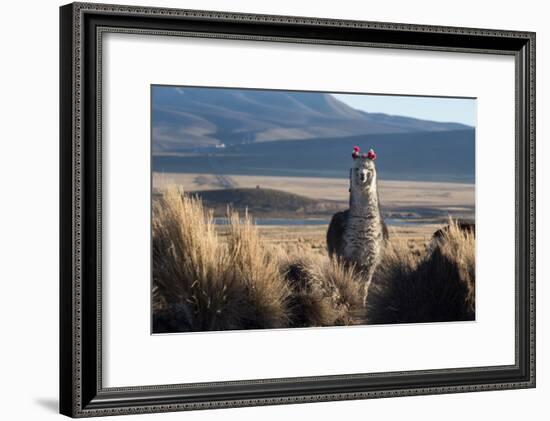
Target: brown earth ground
pixel 392 193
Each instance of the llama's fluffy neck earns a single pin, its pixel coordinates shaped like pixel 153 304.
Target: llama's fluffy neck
pixel 364 202
pixel 363 235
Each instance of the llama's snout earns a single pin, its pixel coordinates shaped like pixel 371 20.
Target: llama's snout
pixel 365 176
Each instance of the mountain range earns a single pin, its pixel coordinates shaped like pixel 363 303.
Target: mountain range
pixel 187 118
pixel 258 132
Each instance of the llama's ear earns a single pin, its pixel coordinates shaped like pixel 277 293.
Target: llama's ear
pixel 355 153
pixel 371 155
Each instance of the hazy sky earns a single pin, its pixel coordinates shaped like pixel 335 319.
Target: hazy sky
pixel 458 110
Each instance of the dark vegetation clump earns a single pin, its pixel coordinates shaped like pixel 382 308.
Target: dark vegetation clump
pixel 324 292
pixel 436 287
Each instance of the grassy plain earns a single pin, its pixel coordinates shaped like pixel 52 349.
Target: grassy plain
pixel 212 277
pixel 414 209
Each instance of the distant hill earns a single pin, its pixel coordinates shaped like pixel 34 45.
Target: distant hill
pixel 193 118
pixel 264 202
pixel 427 156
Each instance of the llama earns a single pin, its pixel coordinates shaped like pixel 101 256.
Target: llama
pixel 357 235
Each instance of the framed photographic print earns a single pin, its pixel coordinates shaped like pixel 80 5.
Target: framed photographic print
pixel 263 210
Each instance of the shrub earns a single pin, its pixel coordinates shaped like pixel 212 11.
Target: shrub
pixel 436 287
pixel 257 269
pixel 325 292
pixel 201 283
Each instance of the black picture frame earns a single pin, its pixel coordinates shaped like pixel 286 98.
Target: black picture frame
pixel 81 390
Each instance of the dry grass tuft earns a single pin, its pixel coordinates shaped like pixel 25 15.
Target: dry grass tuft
pixel 258 270
pixel 199 282
pixel 459 247
pixel 325 292
pixel 435 287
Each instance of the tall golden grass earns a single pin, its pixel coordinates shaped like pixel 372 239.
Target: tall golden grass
pixel 207 284
pixel 256 268
pixel 325 292
pixel 203 281
pixel 436 286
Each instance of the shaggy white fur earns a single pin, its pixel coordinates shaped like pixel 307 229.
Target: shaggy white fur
pixel 358 234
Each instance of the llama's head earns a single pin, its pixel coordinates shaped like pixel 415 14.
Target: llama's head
pixel 363 171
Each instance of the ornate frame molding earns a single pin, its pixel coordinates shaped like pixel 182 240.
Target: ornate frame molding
pixel 82 26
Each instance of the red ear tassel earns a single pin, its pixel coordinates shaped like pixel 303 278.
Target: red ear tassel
pixel 355 153
pixel 371 155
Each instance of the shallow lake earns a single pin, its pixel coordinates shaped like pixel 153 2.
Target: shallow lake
pixel 305 221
